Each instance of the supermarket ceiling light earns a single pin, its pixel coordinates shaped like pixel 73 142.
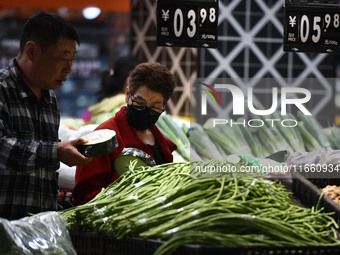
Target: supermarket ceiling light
pixel 91 12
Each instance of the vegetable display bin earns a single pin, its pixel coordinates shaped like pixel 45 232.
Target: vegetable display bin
pixel 308 191
pixel 305 193
pixel 88 243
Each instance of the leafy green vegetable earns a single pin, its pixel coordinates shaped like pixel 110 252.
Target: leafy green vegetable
pixel 176 134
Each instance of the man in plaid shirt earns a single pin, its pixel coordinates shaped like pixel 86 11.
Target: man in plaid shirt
pixel 30 150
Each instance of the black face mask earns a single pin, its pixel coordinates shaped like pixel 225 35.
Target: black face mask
pixel 140 120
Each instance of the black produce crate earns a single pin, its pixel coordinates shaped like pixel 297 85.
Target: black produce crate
pixel 87 243
pixel 105 244
pixel 308 191
pixel 319 178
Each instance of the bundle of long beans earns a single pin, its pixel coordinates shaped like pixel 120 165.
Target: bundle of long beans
pixel 164 202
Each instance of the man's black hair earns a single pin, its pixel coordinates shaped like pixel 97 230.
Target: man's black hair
pixel 45 29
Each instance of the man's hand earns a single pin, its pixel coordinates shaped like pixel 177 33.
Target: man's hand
pixel 69 155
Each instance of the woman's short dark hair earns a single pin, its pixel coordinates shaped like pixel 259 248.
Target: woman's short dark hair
pixel 155 76
pixel 45 29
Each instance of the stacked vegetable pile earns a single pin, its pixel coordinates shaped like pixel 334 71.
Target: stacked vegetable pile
pixel 208 142
pixel 262 141
pixel 164 202
pixel 170 129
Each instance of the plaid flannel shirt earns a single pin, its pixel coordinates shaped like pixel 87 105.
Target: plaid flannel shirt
pixel 28 147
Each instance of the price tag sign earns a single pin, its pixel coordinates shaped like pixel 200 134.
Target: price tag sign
pixel 312 28
pixel 184 23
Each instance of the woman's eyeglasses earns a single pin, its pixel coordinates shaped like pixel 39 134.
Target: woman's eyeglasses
pixel 140 106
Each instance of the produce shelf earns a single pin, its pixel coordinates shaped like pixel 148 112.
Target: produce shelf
pixel 308 191
pixel 88 243
pixel 304 193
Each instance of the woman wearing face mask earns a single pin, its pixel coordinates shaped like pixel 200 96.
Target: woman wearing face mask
pixel 148 88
